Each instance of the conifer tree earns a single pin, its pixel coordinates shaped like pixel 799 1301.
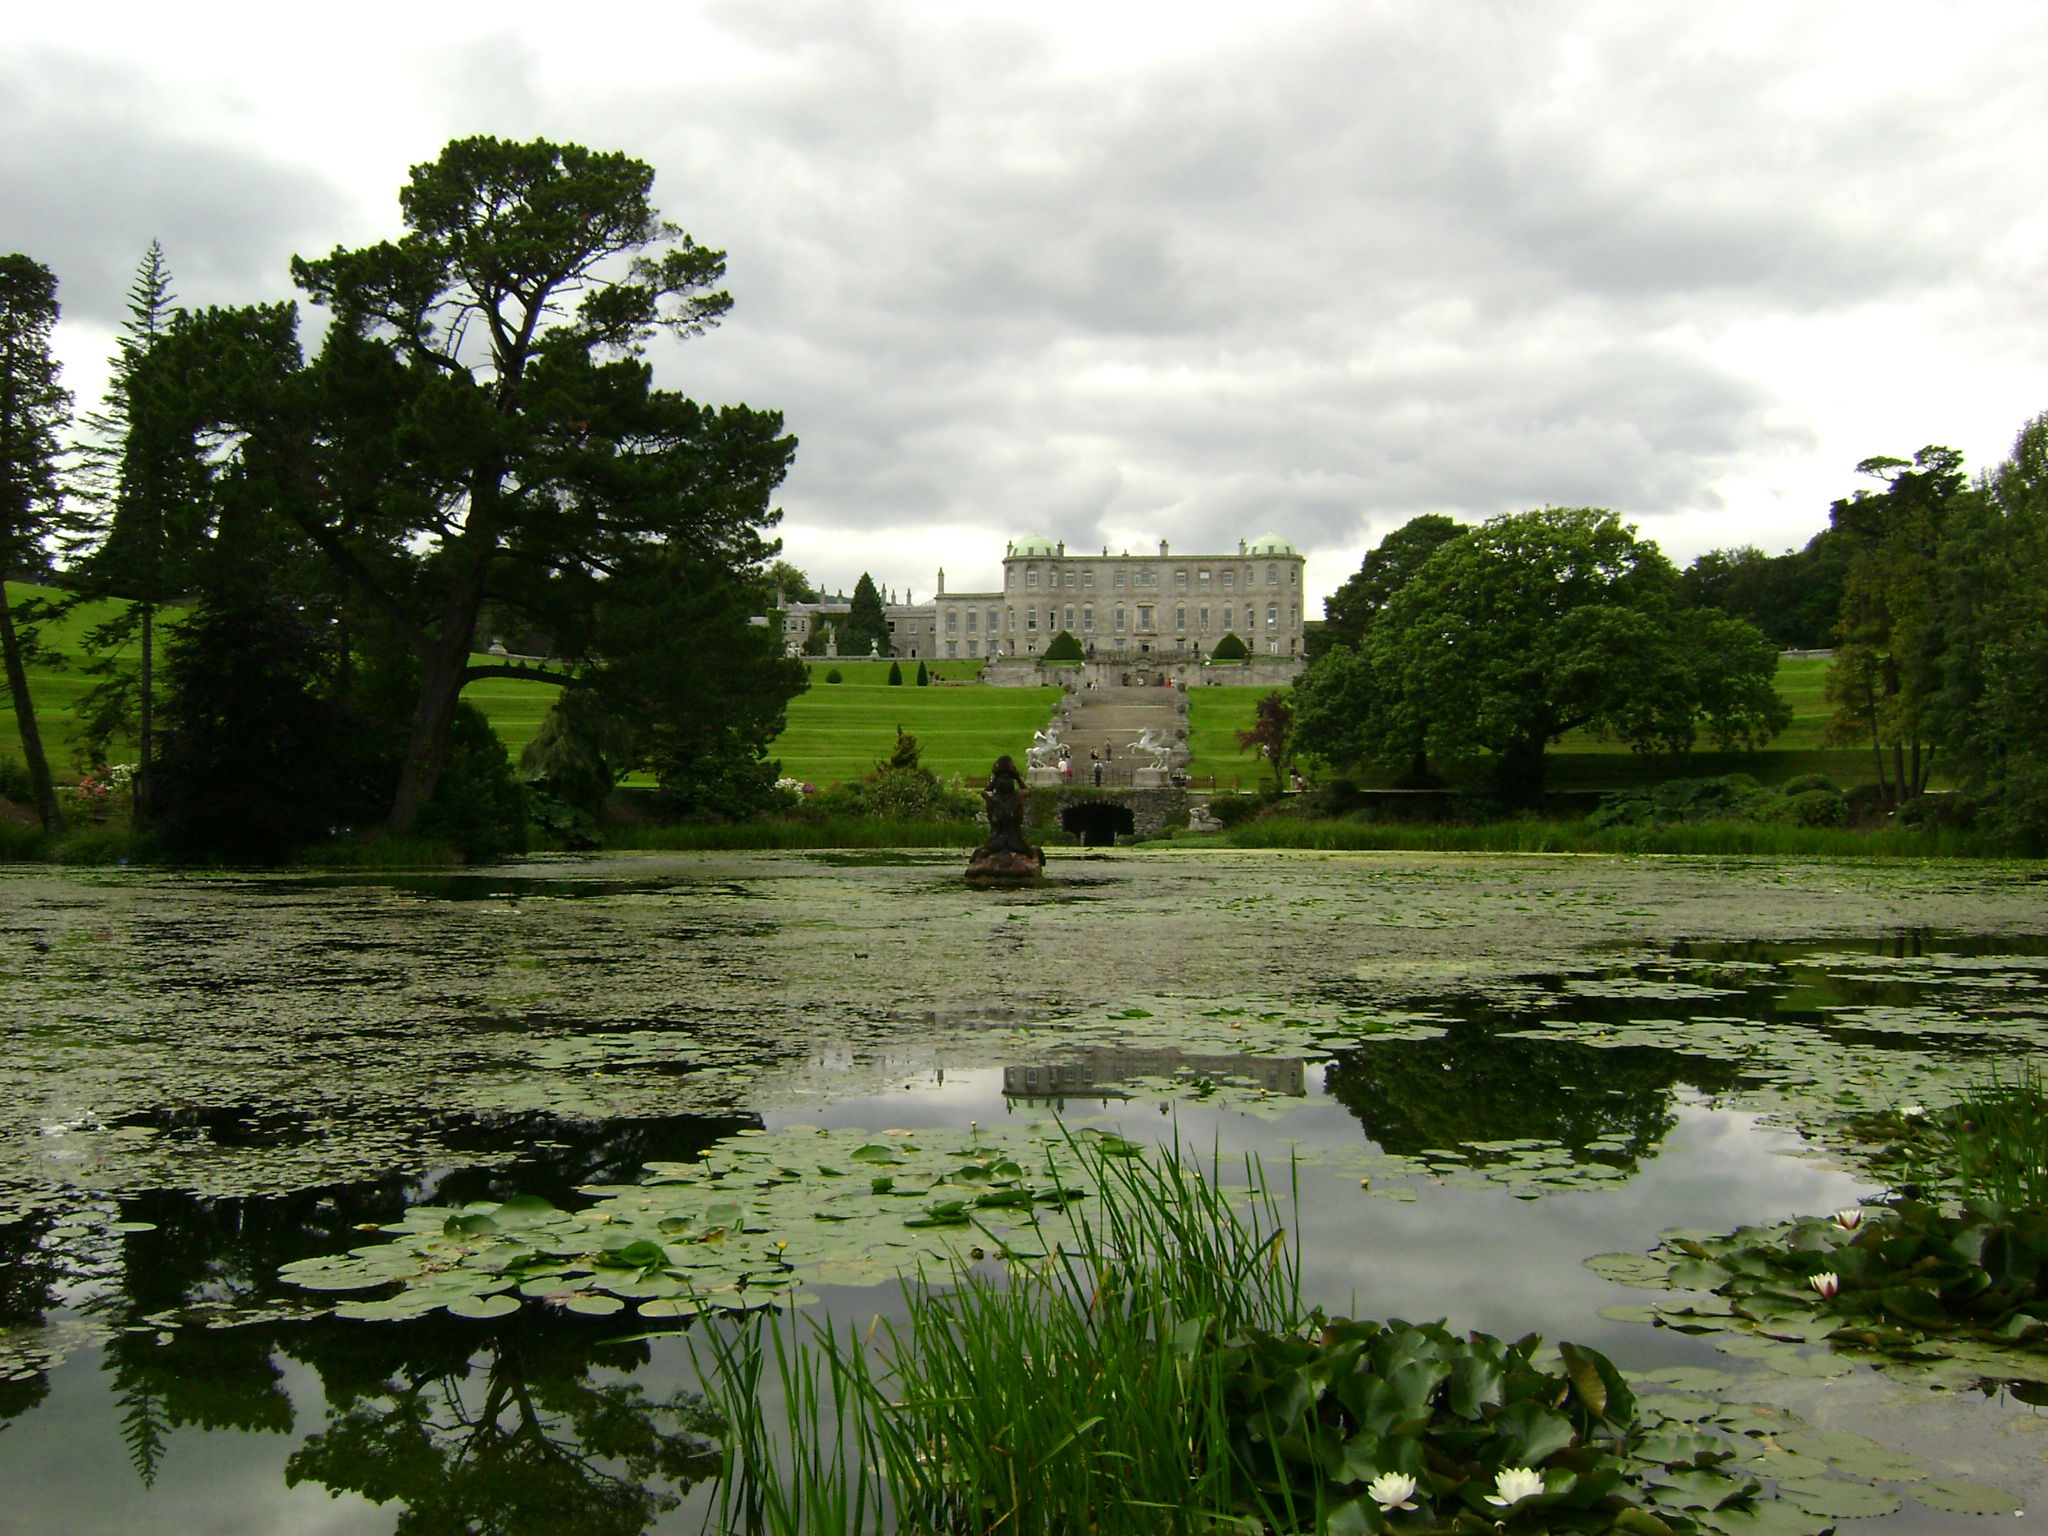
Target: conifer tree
pixel 34 408
pixel 866 623
pixel 144 475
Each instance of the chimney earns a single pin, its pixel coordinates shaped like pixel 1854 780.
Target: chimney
pixel 1240 548
pixel 942 581
pixel 1162 547
pixel 1063 548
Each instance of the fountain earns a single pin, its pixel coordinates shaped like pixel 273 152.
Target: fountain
pixel 1006 858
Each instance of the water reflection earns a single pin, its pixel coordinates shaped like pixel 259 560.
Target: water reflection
pixel 537 1429
pixel 1104 1072
pixel 1474 1085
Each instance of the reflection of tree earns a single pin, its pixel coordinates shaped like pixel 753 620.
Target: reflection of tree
pixel 474 1430
pixel 488 1434
pixel 28 1280
pixel 1474 1085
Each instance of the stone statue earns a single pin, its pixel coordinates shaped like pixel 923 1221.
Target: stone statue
pixel 1006 858
pixel 1044 750
pixel 1157 746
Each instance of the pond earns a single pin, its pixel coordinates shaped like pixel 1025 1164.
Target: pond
pixel 1479 1072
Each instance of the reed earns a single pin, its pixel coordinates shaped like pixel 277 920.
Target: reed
pixel 1997 1141
pixel 1711 839
pixel 1084 1389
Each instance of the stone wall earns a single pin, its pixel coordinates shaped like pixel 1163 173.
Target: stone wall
pixel 1259 672
pixel 1155 812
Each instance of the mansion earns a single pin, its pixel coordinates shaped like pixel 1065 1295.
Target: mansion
pixel 1165 606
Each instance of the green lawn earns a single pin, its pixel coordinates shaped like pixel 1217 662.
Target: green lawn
pixel 1215 716
pixel 838 731
pixel 57 689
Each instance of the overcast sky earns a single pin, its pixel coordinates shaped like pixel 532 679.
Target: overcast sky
pixel 1112 272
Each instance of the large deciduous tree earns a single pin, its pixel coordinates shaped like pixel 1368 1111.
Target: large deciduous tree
pixel 480 427
pixel 1539 623
pixel 1349 611
pixel 1886 666
pixel 34 408
pixel 1988 710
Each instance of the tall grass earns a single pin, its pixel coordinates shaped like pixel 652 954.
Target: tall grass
pixel 776 832
pixel 1084 1391
pixel 1997 1141
pixel 1532 836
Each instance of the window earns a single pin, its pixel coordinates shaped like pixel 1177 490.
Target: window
pixel 1087 578
pixel 1010 578
pixel 952 649
pixel 1144 615
pixel 1294 575
pixel 971 645
pixel 1204 625
pixel 1031 577
pixel 1119 612
pixel 1031 618
pixel 1180 580
pixel 1202 579
pixel 1013 621
pixel 1226 617
pixel 1069 625
pixel 1070 578
pixel 1119 578
pixel 973 621
pixel 1088 620
pixel 1272 615
pixel 1229 581
pixel 1180 618
pixel 1293 615
pixel 991 621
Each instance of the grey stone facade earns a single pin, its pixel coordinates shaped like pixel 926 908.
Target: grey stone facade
pixel 1154 608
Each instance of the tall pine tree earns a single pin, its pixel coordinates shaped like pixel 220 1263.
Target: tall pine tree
pixel 34 409
pixel 147 483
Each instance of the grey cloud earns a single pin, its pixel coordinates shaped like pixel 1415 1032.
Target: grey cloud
pixel 90 174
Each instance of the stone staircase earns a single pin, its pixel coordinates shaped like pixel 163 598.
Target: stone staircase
pixel 1109 720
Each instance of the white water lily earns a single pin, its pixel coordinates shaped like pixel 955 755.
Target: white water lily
pixel 1827 1282
pixel 1849 1219
pixel 1392 1491
pixel 1515 1484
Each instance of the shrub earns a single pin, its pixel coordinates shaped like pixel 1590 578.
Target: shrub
pixel 1064 647
pixel 14 782
pixel 259 755
pixel 895 674
pixel 1731 797
pixel 1229 648
pixel 478 805
pixel 924 678
pixel 1806 783
pixel 1815 808
pixel 832 676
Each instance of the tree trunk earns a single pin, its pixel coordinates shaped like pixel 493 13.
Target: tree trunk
pixel 1518 772
pixel 25 717
pixel 426 753
pixel 145 686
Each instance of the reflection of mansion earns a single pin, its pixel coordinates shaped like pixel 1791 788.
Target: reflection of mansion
pixel 1165 605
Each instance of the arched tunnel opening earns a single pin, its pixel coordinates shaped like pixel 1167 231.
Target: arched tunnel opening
pixel 1098 822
